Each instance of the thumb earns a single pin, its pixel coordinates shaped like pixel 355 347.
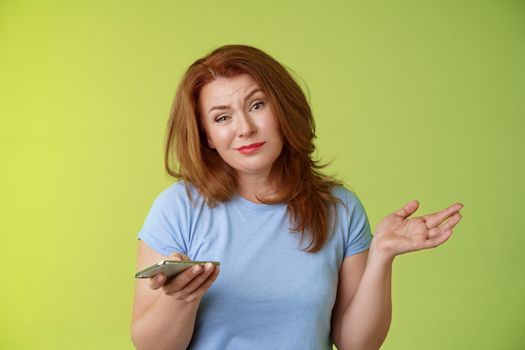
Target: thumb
pixel 408 209
pixel 179 257
pixel 157 281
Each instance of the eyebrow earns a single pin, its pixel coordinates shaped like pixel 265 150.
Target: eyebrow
pixel 226 107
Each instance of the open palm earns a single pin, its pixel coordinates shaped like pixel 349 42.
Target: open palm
pixel 397 233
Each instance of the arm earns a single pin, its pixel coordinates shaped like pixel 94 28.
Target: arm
pixel 363 309
pixel 164 318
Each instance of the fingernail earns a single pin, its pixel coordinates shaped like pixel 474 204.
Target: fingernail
pixel 208 266
pixel 196 269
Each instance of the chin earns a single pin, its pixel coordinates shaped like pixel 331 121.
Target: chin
pixel 252 170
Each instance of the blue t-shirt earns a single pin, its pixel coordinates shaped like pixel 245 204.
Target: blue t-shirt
pixel 269 294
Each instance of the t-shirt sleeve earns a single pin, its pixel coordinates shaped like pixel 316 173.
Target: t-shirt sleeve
pixel 359 235
pixel 163 228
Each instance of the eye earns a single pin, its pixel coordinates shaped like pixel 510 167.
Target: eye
pixel 221 119
pixel 260 103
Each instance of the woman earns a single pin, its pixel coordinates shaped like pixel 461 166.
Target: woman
pixel 299 266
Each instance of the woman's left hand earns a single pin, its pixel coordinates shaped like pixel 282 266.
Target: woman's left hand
pixel 397 234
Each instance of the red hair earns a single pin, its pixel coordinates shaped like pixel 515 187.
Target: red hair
pixel 305 190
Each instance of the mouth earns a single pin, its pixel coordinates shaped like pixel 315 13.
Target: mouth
pixel 250 146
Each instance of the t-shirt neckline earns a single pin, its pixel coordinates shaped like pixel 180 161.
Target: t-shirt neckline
pixel 245 203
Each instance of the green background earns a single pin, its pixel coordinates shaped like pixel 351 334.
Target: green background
pixel 413 100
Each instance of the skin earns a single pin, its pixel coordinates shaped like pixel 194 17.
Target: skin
pixel 363 309
pixel 161 303
pixel 397 234
pixel 362 312
pixel 189 285
pixel 244 122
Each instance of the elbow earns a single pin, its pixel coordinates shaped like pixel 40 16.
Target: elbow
pixel 143 338
pixel 357 347
pixel 372 344
pixel 137 337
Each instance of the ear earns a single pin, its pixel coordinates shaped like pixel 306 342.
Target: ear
pixel 205 134
pixel 210 142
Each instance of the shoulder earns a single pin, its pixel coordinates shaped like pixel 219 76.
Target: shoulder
pixel 179 194
pixel 351 206
pixel 181 189
pixel 348 197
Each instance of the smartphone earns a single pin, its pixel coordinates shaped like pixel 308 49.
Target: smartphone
pixel 170 268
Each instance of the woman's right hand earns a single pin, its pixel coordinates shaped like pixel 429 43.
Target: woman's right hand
pixel 189 285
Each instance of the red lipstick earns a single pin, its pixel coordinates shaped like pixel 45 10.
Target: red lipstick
pixel 250 148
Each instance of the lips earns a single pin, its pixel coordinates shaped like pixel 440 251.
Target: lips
pixel 250 146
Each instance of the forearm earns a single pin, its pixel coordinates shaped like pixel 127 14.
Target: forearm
pixel 366 321
pixel 167 324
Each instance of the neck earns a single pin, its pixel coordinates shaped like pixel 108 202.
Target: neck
pixel 250 186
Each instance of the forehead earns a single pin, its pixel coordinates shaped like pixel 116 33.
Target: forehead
pixel 224 90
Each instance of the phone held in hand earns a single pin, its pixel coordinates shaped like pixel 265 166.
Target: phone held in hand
pixel 170 268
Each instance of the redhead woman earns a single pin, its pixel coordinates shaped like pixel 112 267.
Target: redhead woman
pixel 299 266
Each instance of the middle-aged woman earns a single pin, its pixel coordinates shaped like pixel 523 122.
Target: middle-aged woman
pixel 240 142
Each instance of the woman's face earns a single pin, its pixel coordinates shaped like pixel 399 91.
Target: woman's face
pixel 240 124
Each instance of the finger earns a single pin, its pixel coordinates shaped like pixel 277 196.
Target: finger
pixel 177 256
pixel 434 219
pixel 181 280
pixel 157 281
pixel 196 283
pixel 450 223
pixel 437 241
pixel 447 225
pixel 408 209
pixel 204 287
pixel 160 279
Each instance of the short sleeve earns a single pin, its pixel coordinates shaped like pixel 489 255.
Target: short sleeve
pixel 359 236
pixel 163 228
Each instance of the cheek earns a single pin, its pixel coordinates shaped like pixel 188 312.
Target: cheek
pixel 220 137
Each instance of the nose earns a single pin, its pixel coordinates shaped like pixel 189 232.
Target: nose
pixel 246 127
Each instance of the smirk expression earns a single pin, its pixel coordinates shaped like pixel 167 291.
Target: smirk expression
pixel 240 124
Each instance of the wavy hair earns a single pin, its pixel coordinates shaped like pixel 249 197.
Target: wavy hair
pixel 187 156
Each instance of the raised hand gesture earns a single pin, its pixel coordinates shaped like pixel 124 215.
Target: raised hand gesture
pixel 397 233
